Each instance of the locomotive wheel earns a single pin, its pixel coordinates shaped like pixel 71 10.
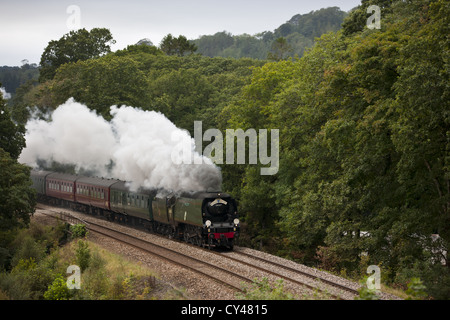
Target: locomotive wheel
pixel 186 237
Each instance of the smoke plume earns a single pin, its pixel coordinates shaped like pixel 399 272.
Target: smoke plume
pixel 135 146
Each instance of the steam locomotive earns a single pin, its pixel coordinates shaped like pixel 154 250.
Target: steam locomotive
pixel 208 219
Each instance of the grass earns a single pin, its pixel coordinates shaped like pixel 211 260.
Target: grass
pixel 112 277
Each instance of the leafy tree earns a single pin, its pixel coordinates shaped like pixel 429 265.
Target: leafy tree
pixel 357 19
pixel 72 47
pixel 11 134
pixel 177 46
pixel 300 33
pixel 363 119
pixel 78 231
pixel 365 293
pixel 13 77
pixel 212 45
pixel 58 290
pixel 17 199
pixel 416 290
pixel 83 255
pixel 100 83
pixel 280 50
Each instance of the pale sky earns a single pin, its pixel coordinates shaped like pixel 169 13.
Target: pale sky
pixel 26 26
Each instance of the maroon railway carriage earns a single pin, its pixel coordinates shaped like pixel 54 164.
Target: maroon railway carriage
pixel 61 188
pixel 94 193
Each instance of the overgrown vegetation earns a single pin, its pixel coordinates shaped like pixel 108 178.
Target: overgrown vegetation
pixel 38 258
pixel 298 34
pixel 263 290
pixel 78 231
pixel 364 150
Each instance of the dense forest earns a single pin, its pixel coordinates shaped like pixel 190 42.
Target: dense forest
pixel 298 33
pixel 364 122
pixel 12 78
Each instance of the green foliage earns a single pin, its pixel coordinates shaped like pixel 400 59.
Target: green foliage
pixel 28 271
pixel 364 141
pixel 78 231
pixel 100 83
pixel 72 47
pixel 17 199
pixel 357 19
pixel 263 290
pixel 280 50
pixel 299 33
pixel 38 265
pixel 13 77
pixel 184 88
pixel 365 293
pixel 83 255
pixel 58 290
pixel 177 46
pixel 416 289
pixel 11 134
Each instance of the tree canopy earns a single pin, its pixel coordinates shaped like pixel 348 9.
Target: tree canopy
pixel 299 32
pixel 177 46
pixel 17 199
pixel 364 140
pixel 76 45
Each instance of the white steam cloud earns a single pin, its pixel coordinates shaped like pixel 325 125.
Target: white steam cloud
pixel 136 146
pixel 5 94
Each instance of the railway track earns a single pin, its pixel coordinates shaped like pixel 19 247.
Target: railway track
pixel 325 286
pixel 317 285
pixel 232 277
pixel 207 270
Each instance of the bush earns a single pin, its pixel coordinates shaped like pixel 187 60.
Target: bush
pixel 58 290
pixel 365 293
pixel 262 290
pixel 83 255
pixel 78 231
pixel 416 289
